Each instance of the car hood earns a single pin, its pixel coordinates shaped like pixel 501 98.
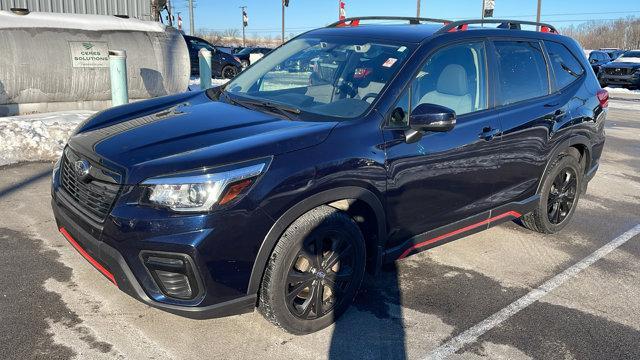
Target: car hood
pixel 188 132
pixel 625 63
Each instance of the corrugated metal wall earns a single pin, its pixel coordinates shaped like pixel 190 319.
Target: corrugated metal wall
pixel 139 9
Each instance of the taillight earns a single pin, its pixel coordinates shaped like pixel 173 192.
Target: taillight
pixel 603 98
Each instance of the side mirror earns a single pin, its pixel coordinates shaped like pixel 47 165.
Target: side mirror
pixel 429 117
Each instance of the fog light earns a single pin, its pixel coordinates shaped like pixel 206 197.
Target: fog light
pixel 173 273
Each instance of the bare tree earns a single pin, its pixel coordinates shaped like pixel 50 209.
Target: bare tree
pixel 620 33
pixel 231 33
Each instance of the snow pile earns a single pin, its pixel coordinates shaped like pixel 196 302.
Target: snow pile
pixel 621 90
pixel 194 83
pixel 37 137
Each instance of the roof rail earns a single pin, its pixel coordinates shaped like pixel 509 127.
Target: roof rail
pixel 355 21
pixel 503 24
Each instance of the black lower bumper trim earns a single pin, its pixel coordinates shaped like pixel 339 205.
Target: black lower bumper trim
pixel 127 282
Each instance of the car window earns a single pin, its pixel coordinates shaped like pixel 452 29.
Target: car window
pixel 522 70
pixel 566 67
pixel 454 77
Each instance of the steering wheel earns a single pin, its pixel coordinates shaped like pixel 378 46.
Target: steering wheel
pixel 369 95
pixel 347 89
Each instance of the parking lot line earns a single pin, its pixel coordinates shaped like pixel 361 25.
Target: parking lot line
pixel 472 334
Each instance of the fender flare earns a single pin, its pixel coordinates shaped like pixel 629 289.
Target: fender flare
pixel 321 198
pixel 563 145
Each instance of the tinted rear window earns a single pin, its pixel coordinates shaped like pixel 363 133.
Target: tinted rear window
pixel 566 67
pixel 522 70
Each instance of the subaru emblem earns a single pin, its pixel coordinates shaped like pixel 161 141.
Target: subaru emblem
pixel 81 168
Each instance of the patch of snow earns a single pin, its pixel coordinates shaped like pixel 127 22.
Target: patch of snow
pixel 10 20
pixel 37 137
pixel 194 83
pixel 624 105
pixel 621 90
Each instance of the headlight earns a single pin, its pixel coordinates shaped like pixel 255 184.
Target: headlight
pixel 197 191
pixel 56 167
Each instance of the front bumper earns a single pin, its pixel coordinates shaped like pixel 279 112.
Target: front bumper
pixel 114 267
pixel 625 80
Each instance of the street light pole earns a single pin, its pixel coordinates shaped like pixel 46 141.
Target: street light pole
pixel 538 14
pixel 418 9
pixel 191 31
pixel 482 24
pixel 283 22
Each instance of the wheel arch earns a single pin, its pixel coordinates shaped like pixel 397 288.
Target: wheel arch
pixel 333 198
pixel 578 142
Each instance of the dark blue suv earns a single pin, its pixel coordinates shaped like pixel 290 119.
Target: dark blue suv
pixel 282 188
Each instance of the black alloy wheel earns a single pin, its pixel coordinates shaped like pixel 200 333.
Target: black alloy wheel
pixel 319 274
pixel 229 72
pixel 561 187
pixel 314 271
pixel 562 195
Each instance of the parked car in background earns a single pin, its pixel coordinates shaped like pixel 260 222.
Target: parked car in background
pixel 598 58
pixel 281 195
pixel 245 54
pixel 614 53
pixel 223 64
pixel 623 71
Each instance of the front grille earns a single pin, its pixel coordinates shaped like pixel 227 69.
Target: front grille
pixel 93 198
pixel 618 71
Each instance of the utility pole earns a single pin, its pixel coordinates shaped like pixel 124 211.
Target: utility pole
pixel 191 31
pixel 245 20
pixel 482 24
pixel 538 14
pixel 418 9
pixel 283 3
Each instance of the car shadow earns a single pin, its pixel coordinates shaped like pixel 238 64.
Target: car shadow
pixel 373 328
pixel 26 182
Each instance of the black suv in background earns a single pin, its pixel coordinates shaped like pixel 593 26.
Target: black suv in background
pixel 282 188
pixel 623 71
pixel 598 58
pixel 245 54
pixel 223 64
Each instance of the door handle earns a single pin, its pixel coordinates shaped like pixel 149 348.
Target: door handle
pixel 489 133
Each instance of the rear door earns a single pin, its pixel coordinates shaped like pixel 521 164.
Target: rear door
pixel 445 176
pixel 530 112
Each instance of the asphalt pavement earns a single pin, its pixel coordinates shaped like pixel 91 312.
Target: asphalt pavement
pixel 504 293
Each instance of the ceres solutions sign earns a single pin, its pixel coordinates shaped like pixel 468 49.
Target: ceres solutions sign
pixel 89 54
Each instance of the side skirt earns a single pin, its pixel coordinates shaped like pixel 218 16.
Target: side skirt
pixel 462 228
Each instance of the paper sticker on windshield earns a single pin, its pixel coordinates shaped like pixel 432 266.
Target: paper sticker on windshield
pixel 389 62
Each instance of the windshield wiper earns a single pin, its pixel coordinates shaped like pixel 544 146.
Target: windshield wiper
pixel 284 110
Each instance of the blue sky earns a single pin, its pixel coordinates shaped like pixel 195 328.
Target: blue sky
pixel 302 15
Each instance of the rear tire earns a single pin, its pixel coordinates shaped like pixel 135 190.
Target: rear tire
pixel 314 272
pixel 229 72
pixel 561 188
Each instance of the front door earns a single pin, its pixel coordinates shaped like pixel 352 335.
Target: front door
pixel 445 176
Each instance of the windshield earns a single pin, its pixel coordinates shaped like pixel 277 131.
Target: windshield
pixel 336 77
pixel 244 51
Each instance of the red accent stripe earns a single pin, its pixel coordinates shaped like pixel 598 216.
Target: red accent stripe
pixel 89 258
pixel 514 214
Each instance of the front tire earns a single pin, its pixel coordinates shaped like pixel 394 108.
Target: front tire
pixel 561 188
pixel 314 271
